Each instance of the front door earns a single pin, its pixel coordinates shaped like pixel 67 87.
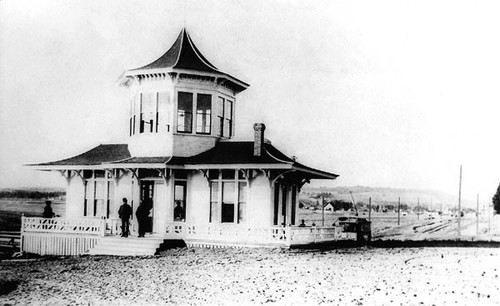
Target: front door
pixel 147 197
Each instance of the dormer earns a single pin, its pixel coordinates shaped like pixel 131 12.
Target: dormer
pixel 181 104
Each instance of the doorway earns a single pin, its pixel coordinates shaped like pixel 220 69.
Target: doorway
pixel 147 198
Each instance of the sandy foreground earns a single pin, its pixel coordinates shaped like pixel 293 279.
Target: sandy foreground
pixel 357 276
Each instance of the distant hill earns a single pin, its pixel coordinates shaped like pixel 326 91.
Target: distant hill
pixel 387 195
pixel 32 193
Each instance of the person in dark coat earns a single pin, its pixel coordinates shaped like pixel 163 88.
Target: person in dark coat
pixel 47 211
pixel 142 214
pixel 124 213
pixel 178 212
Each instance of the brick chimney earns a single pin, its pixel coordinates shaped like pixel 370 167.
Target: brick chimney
pixel 258 142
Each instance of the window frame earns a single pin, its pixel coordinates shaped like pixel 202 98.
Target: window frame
pixel 190 131
pixel 236 180
pixel 180 181
pixel 204 115
pixel 90 203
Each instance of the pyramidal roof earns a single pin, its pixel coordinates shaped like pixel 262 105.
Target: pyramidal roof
pixel 184 55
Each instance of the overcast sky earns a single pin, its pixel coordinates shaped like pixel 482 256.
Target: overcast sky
pixel 384 93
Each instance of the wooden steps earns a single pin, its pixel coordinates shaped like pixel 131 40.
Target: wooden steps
pixel 130 246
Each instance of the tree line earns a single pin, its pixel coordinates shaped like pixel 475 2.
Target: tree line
pixel 30 194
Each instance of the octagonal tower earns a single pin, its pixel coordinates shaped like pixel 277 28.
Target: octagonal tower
pixel 180 104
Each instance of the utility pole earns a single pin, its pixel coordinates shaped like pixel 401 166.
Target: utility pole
pixel 323 211
pixel 459 201
pixel 477 217
pixel 489 220
pixel 399 211
pixel 418 208
pixel 354 203
pixel 370 209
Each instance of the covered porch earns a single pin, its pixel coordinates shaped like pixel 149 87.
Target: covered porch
pixel 78 236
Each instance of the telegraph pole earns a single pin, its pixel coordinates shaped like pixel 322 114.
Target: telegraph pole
pixel 370 209
pixel 323 211
pixel 399 211
pixel 459 201
pixel 489 220
pixel 477 216
pixel 418 208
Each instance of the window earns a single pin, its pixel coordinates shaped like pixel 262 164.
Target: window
pixel 141 115
pixel 227 197
pixel 88 192
pixel 99 194
pixel 214 200
pixel 148 110
pixel 203 113
pixel 180 200
pixel 227 202
pixel 185 112
pixel 228 128
pixel 242 187
pixel 221 116
pixel 133 112
pixel 163 120
pixel 131 116
pixel 111 196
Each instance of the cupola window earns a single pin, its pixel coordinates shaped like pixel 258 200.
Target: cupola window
pixel 185 112
pixel 225 116
pixel 148 110
pixel 203 113
pixel 228 128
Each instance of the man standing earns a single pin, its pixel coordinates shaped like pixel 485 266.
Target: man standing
pixel 124 213
pixel 47 211
pixel 142 214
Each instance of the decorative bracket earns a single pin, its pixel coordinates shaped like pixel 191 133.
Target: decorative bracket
pixel 272 181
pixel 266 172
pixel 205 174
pixel 134 172
pixel 116 174
pixel 68 174
pixel 247 174
pixel 165 174
pixel 303 182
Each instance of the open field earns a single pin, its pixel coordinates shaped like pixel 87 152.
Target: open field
pixel 384 225
pixel 357 276
pixel 413 227
pixel 11 211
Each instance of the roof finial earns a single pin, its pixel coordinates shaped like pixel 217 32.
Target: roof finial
pixel 185 1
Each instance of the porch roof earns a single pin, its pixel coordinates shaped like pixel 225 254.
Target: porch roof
pixel 103 153
pixel 225 154
pixel 241 153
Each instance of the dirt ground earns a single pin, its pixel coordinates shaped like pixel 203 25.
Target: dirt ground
pixel 356 276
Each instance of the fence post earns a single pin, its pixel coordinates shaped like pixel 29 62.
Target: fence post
pixel 21 247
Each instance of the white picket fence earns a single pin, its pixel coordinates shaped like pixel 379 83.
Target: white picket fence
pixel 60 236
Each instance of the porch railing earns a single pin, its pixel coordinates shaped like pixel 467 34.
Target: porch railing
pixel 228 233
pixel 283 236
pixel 305 235
pixel 88 226
pixel 60 236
